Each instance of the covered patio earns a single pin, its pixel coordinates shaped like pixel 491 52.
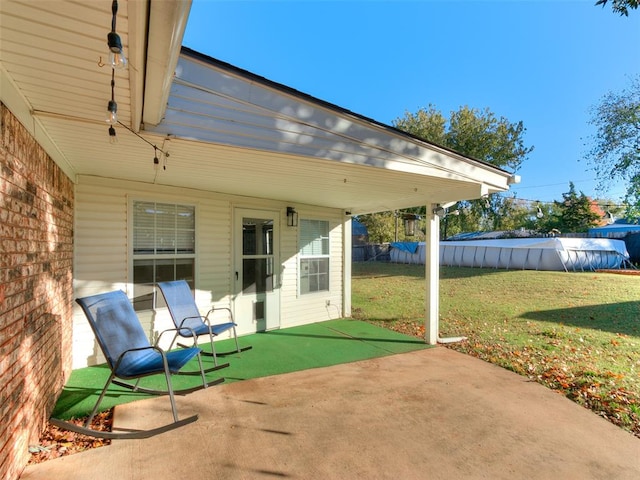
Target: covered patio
pixel 189 121
pixel 202 137
pixel 431 413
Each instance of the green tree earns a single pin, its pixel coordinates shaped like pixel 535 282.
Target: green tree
pixel 574 214
pixel 615 150
pixel 620 6
pixel 548 219
pixel 478 134
pixel 517 214
pixel 385 227
pixel 475 133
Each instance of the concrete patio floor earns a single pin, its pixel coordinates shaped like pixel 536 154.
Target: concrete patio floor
pixel 429 414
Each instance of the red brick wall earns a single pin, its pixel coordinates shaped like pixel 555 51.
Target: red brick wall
pixel 36 291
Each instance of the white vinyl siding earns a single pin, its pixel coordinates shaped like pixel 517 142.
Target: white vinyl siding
pixel 297 309
pixel 103 254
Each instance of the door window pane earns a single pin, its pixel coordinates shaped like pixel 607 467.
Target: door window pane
pixel 257 236
pixel 257 275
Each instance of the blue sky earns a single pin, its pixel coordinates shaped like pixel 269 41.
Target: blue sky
pixel 544 62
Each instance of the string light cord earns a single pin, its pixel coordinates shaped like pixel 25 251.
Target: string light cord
pixel 155 147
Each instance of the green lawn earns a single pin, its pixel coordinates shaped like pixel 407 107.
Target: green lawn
pixel 577 333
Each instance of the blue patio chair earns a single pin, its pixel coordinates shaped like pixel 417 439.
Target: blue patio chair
pixel 190 323
pixel 130 356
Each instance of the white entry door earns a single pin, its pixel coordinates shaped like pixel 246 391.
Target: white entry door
pixel 256 270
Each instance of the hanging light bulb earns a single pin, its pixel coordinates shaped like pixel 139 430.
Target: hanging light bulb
pixel 117 59
pixel 156 160
pixel 113 139
pixel 112 107
pixel 112 113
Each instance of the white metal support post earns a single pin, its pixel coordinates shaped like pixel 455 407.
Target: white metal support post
pixel 347 235
pixel 432 276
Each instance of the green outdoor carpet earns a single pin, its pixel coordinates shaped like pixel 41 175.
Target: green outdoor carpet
pixel 279 351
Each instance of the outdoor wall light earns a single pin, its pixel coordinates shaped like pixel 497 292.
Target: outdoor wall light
pixel 117 59
pixel 410 224
pixel 292 217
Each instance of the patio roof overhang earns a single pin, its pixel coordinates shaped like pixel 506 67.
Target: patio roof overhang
pixel 226 130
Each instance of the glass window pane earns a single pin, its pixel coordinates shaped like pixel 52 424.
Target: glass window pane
pixel 165 270
pixel 257 275
pixel 143 284
pixel 323 282
pixel 167 229
pixel 165 241
pixel 185 242
pixel 185 217
pixel 144 214
pixel 314 237
pixel 143 241
pixel 314 251
pixel 248 238
pixel 257 236
pixel 314 275
pixel 165 216
pixel 185 270
pixel 323 265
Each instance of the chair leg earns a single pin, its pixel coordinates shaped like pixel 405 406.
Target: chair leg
pixel 204 380
pixel 238 348
pixel 213 349
pixel 167 375
pixel 235 336
pixel 95 408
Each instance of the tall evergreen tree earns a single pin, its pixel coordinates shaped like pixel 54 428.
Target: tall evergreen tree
pixel 575 213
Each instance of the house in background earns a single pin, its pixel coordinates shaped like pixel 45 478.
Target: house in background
pixel 250 198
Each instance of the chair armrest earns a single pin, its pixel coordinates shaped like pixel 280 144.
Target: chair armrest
pixel 213 309
pixel 189 318
pixel 150 347
pixel 193 333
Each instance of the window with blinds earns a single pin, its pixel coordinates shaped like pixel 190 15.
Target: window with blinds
pixel 163 247
pixel 314 256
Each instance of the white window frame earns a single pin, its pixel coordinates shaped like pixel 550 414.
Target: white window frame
pixel 155 256
pixel 304 256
